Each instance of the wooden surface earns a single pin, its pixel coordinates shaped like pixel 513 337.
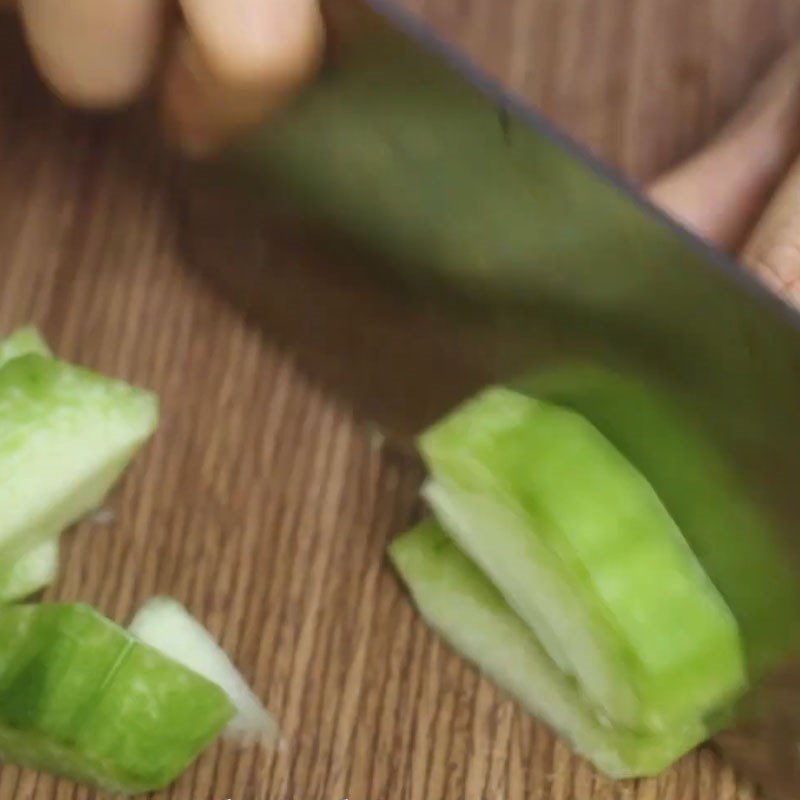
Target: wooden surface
pixel 261 504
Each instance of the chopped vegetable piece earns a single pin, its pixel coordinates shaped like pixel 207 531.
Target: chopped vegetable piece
pixel 728 533
pixel 167 626
pixel 31 572
pixel 75 650
pixel 66 434
pixel 81 697
pixel 153 718
pixel 37 568
pixel 460 603
pixel 19 644
pixel 582 548
pixel 22 342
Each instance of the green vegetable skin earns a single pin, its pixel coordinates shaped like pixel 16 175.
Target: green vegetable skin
pixel 167 626
pixel 460 603
pixel 36 568
pixel 581 547
pixel 81 697
pixel 31 572
pixel 725 529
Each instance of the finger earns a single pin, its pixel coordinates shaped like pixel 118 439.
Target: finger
pixel 212 92
pixel 266 43
pixel 95 53
pixel 720 192
pixel 202 114
pixel 773 250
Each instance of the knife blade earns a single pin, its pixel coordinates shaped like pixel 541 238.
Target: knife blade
pixel 460 238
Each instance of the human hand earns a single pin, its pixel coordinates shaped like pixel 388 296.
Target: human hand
pixel 219 66
pixel 742 191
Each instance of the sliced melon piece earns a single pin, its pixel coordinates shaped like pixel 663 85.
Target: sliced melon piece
pixel 66 435
pixel 19 642
pixel 460 603
pixel 81 697
pixel 167 626
pixel 37 568
pixel 22 342
pixel 31 572
pixel 74 650
pixel 582 548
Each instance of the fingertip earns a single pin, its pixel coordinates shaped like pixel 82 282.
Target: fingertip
pixel 274 44
pixel 94 53
pixel 201 115
pixel 233 64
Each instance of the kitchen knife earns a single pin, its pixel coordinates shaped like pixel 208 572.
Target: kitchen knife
pixel 459 238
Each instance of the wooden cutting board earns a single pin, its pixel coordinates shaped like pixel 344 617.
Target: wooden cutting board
pixel 261 504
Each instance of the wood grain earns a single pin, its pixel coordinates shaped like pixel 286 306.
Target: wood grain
pixel 261 504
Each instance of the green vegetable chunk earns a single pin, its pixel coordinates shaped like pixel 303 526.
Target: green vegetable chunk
pixel 726 529
pixel 167 626
pixel 582 548
pixel 81 697
pixel 31 572
pixel 22 342
pixel 37 568
pixel 460 603
pixel 66 435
